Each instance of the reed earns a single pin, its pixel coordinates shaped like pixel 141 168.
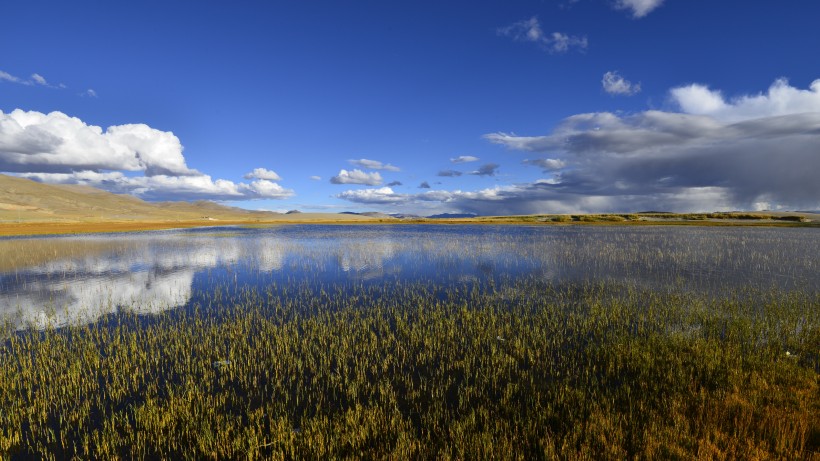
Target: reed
pixel 517 369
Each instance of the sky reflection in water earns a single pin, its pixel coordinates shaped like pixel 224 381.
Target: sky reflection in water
pixel 80 278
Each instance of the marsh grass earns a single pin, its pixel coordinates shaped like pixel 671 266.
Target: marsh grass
pixel 522 369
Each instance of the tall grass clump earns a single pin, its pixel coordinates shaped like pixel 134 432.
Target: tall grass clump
pixel 523 369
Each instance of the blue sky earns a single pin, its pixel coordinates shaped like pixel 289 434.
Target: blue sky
pixel 549 106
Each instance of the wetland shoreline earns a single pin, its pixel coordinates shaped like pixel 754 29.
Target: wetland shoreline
pixel 21 229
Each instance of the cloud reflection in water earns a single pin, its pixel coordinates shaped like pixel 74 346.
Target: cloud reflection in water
pixel 58 280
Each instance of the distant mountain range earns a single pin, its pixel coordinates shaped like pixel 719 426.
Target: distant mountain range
pixel 452 215
pixel 376 214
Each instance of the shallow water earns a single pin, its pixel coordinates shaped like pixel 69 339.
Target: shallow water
pixel 56 280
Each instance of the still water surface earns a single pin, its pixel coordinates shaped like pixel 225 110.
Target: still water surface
pixel 55 280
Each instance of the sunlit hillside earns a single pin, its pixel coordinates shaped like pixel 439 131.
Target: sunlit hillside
pixel 26 201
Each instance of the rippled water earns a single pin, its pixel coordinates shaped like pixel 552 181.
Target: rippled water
pixel 56 280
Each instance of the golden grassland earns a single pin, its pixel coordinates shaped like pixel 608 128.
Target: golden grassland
pixel 14 228
pixel 57 228
pixel 521 370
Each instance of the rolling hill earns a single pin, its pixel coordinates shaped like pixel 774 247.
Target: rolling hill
pixel 25 201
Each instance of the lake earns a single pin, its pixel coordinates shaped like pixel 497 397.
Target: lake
pixel 412 342
pixel 57 280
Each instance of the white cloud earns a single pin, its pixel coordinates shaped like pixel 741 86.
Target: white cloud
pixel 529 30
pixel 263 188
pixel 464 159
pixel 262 173
pixel 5 76
pixel 357 177
pixel 39 79
pixel 780 99
pixel 316 178
pixel 373 196
pixel 164 187
pixel 36 142
pixel 373 164
pixel 698 99
pixel 156 152
pixel 715 153
pixel 615 84
pixel 90 93
pixel 639 8
pixel 35 79
pixel 56 148
pixel 560 42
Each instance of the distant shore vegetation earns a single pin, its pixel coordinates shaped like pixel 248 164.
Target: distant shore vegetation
pixel 56 227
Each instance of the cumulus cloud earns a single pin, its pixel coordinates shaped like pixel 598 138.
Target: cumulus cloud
pixel 394 183
pixel 357 177
pixel 529 30
pixel 383 195
pixel 263 188
pixel 56 148
pixel 780 99
pixel 614 84
pixel 488 169
pixel 714 153
pixel 698 99
pixel 464 159
pixel 373 164
pixel 639 8
pixel 449 173
pixel 424 185
pixel 55 142
pixel 263 173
